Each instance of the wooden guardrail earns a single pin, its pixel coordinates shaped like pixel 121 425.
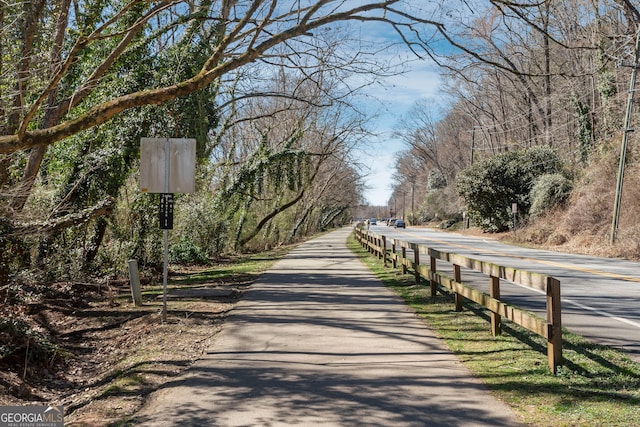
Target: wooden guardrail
pixel 549 328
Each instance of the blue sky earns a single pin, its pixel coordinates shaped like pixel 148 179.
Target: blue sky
pixel 420 81
pixel 397 94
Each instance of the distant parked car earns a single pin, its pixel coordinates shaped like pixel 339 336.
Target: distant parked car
pixel 400 224
pixel 373 221
pixel 391 222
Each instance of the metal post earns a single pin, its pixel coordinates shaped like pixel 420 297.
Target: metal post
pixel 165 269
pixel 165 275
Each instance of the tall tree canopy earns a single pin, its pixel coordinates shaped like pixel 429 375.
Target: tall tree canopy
pixel 520 75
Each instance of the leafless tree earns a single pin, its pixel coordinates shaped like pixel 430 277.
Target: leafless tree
pixel 298 128
pixel 63 94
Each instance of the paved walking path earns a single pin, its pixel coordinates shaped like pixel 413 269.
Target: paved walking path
pixel 319 341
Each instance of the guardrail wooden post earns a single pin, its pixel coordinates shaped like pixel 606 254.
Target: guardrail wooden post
pixel 403 249
pixel 432 275
pixel 550 328
pixel 384 250
pixel 416 260
pixel 394 258
pixel 457 276
pixel 494 292
pixel 554 318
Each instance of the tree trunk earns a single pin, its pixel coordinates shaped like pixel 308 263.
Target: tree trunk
pixel 547 77
pixel 99 230
pixel 271 215
pixel 300 222
pixel 51 116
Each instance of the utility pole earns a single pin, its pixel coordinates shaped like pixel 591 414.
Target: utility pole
pixel 413 189
pixel 467 221
pixel 625 139
pixel 473 143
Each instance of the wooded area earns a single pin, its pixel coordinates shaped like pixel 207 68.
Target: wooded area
pixel 269 89
pixel 277 95
pixel 555 74
pixel 262 86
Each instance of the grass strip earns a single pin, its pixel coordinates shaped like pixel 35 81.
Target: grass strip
pixel 596 386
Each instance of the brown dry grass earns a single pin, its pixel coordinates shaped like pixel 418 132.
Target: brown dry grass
pixel 584 224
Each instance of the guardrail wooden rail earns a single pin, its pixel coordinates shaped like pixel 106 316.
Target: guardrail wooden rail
pixel 550 329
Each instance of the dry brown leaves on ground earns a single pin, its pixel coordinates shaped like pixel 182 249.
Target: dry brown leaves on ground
pixel 108 355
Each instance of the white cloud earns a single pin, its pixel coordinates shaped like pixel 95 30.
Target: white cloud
pixel 397 96
pixel 421 81
pixel 394 96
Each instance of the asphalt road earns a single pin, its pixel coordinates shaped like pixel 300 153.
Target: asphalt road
pixel 600 296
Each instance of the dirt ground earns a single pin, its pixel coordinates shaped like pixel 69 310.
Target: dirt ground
pixel 108 355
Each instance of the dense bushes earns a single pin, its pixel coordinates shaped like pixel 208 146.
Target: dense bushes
pixel 492 185
pixel 186 252
pixel 549 191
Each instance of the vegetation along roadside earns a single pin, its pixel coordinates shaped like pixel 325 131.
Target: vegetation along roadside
pixel 85 346
pixel 596 386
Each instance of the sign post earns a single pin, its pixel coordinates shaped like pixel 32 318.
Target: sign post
pixel 167 166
